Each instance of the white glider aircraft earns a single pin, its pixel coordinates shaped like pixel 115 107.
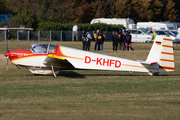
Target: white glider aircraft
pixel 46 58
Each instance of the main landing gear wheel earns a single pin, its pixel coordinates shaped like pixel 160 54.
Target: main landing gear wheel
pixel 155 74
pixel 36 75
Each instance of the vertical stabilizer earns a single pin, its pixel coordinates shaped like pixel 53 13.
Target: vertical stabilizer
pixel 155 52
pixel 162 53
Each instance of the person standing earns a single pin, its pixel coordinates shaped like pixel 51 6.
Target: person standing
pixel 95 39
pixel 84 39
pixel 153 36
pixel 100 39
pixel 21 32
pixel 128 41
pixel 75 32
pixel 120 38
pixel 115 41
pixel 103 41
pixel 88 40
pixel 8 35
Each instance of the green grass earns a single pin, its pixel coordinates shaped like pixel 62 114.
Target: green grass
pixel 88 94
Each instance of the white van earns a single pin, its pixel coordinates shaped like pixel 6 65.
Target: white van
pixel 140 35
pixel 126 22
pixel 156 26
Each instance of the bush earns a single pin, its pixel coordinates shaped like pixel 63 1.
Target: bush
pixel 47 26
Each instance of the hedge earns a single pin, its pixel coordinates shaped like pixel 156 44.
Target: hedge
pixel 47 26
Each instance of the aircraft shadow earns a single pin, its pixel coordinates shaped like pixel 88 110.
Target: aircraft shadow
pixel 70 74
pixel 128 74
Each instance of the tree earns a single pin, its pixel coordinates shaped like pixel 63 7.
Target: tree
pixel 122 8
pixel 32 12
pixel 170 13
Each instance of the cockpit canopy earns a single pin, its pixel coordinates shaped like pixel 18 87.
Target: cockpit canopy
pixel 43 48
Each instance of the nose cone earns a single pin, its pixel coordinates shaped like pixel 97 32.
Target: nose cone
pixel 6 54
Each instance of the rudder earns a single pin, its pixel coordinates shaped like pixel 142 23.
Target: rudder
pixel 162 53
pixel 166 62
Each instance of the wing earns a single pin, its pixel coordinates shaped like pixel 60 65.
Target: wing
pixel 16 29
pixel 58 63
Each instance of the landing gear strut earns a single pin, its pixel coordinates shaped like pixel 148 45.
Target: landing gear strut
pixel 53 71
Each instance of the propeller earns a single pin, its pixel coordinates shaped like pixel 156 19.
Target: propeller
pixel 7 61
pixel 7 54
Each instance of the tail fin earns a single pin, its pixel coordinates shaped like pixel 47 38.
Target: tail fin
pixel 162 53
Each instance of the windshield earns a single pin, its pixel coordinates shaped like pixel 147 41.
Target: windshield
pixel 160 33
pixel 175 32
pixel 146 32
pixel 44 48
pixel 170 33
pixel 52 48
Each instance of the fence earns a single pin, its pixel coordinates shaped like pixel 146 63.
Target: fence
pixel 50 35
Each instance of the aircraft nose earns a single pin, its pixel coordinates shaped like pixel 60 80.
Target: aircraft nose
pixel 6 54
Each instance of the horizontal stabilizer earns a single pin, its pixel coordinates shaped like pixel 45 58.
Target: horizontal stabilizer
pixel 145 62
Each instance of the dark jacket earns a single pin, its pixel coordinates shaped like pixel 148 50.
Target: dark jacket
pixel 84 36
pixel 120 37
pixel 128 38
pixel 100 38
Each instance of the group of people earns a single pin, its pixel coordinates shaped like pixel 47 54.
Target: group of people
pixel 122 38
pixel 98 37
pixel 21 32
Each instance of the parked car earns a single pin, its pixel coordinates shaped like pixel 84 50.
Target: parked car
pixel 164 33
pixel 140 35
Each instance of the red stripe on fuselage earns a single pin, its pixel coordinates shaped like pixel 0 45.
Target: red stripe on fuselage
pixel 22 54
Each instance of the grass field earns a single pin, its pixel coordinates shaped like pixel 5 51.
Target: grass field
pixel 87 94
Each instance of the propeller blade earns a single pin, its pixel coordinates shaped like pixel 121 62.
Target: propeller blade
pixel 7 61
pixel 7 45
pixel 8 54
